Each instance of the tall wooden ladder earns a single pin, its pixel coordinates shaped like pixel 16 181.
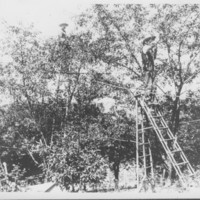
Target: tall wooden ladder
pixel 167 139
pixel 145 173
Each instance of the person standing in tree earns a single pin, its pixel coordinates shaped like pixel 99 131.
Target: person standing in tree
pixel 149 52
pixel 63 29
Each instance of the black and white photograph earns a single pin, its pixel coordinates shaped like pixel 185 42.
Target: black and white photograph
pixel 99 100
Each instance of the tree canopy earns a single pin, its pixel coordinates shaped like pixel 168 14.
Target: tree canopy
pixel 59 125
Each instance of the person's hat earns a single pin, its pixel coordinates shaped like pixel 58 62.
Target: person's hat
pixel 63 25
pixel 148 39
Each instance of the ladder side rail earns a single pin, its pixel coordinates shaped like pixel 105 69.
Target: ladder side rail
pixel 143 146
pixel 151 160
pixel 156 128
pixel 171 157
pixel 169 132
pixel 137 146
pixel 153 123
pixel 140 149
pixel 165 124
pixel 149 151
pixel 183 156
pixel 172 136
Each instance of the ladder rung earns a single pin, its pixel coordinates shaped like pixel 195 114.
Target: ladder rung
pixel 156 119
pixel 163 127
pixel 168 139
pixel 144 143
pixel 183 163
pixel 150 127
pixel 144 156
pixel 176 151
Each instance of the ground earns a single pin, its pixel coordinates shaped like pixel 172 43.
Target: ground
pixel 128 194
pixel 160 192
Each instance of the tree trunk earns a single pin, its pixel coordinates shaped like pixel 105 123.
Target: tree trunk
pixel 116 174
pixel 176 113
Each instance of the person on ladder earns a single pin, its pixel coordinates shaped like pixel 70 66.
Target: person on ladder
pixel 149 52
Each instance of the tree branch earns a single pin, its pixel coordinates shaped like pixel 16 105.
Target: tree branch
pixel 170 62
pixel 125 39
pixel 179 62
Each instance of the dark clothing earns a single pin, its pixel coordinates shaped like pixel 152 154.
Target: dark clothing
pixel 149 52
pixel 148 78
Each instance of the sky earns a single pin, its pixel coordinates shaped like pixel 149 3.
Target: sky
pixel 45 15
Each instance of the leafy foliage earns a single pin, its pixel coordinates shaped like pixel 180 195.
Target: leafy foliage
pixel 54 126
